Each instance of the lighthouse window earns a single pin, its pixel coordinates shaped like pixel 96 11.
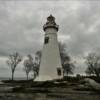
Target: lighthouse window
pixel 46 40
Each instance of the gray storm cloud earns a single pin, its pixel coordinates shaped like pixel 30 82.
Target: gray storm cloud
pixel 21 26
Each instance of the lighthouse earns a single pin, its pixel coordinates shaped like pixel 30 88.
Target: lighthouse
pixel 50 60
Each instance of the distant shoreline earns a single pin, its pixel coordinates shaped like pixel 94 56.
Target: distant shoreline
pixel 16 78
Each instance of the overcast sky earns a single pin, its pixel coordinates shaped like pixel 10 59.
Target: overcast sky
pixel 21 28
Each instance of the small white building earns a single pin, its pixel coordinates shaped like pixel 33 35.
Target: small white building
pixel 50 60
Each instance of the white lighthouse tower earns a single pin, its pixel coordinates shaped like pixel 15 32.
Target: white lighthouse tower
pixel 50 60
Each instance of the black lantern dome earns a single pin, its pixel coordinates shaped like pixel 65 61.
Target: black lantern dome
pixel 50 23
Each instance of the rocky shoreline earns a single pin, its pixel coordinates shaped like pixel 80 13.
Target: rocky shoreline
pixel 46 91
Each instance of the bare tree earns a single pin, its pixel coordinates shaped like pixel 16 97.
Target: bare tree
pixel 28 64
pixel 38 55
pixel 36 64
pixel 67 64
pixel 36 67
pixel 35 70
pixel 13 61
pixel 93 64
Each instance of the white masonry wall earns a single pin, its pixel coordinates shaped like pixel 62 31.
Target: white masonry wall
pixel 50 57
